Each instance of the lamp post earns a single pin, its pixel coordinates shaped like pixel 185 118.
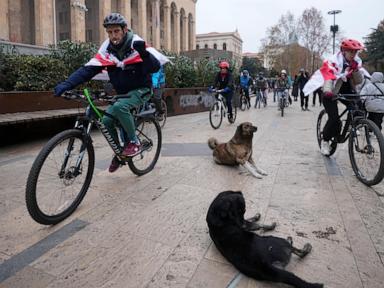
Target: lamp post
pixel 334 27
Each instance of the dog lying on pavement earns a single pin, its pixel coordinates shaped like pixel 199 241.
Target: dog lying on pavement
pixel 238 151
pixel 259 257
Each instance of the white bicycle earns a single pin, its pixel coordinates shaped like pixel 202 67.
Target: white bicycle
pixel 219 110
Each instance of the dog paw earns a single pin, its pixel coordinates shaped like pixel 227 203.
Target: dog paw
pixel 270 227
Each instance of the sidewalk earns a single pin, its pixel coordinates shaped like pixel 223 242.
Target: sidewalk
pixel 150 231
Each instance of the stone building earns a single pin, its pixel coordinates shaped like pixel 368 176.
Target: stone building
pixel 228 41
pixel 164 24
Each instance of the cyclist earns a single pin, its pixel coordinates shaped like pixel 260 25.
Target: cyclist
pixel 158 85
pixel 340 74
pixel 262 86
pixel 281 85
pixel 245 84
pixel 129 64
pixel 224 84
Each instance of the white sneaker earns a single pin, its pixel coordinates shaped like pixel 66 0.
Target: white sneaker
pixel 325 149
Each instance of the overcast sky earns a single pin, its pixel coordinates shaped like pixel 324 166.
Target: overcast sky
pixel 253 17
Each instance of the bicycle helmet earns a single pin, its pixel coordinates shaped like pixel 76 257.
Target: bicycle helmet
pixel 351 44
pixel 283 72
pixel 224 64
pixel 245 72
pixel 114 19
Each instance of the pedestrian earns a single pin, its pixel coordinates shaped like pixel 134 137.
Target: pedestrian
pixel 318 92
pixel 301 79
pixel 158 85
pixel 373 104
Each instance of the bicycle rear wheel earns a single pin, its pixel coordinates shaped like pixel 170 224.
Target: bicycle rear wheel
pixel 148 131
pixel 60 177
pixel 321 121
pixel 282 105
pixel 216 115
pixel 366 152
pixel 164 116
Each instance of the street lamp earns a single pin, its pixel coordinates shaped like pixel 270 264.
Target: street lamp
pixel 334 27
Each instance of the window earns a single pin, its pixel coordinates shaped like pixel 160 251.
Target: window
pixel 206 46
pixel 215 46
pixel 224 46
pixel 197 47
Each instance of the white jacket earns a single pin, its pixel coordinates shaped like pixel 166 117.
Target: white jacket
pixel 375 87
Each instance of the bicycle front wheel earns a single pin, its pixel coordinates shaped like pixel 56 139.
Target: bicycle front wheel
pixel 282 105
pixel 321 121
pixel 366 152
pixel 216 115
pixel 243 103
pixel 148 131
pixel 60 176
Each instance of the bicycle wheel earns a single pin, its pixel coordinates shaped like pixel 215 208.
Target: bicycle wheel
pixel 321 120
pixel 148 131
pixel 366 152
pixel 243 103
pixel 282 105
pixel 164 116
pixel 56 185
pixel 216 115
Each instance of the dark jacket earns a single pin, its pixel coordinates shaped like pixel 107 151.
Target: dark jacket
pixel 224 81
pixel 301 80
pixel 133 76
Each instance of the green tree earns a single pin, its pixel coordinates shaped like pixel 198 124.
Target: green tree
pixel 254 66
pixel 375 47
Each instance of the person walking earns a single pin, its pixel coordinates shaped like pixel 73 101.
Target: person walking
pixel 301 79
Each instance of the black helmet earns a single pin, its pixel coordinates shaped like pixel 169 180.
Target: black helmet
pixel 114 19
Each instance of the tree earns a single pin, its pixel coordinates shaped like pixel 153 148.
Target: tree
pixel 375 47
pixel 313 36
pixel 252 65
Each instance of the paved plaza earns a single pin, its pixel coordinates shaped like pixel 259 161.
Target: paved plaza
pixel 150 231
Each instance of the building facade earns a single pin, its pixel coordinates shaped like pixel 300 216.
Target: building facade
pixel 228 41
pixel 164 24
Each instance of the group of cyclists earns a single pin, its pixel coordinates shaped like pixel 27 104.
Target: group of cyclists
pixel 130 65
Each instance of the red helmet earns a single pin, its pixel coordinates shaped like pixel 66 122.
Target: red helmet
pixel 351 44
pixel 224 64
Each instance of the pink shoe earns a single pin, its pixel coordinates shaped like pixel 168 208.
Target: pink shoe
pixel 114 165
pixel 132 149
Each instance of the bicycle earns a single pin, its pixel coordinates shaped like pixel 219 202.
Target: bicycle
pixel 244 100
pixel 260 98
pixel 62 172
pixel 162 118
pixel 365 140
pixel 283 102
pixel 219 110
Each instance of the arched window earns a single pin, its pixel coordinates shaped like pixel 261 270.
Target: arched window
pixel 206 46
pixel 197 47
pixel 215 46
pixel 224 46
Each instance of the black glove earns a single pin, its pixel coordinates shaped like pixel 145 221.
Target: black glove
pixel 139 46
pixel 61 88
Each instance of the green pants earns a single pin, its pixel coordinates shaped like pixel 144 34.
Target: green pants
pixel 121 110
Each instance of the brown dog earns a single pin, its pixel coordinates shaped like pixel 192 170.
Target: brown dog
pixel 238 151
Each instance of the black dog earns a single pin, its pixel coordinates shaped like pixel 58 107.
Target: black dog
pixel 259 257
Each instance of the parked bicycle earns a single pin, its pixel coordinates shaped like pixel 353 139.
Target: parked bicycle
pixel 365 140
pixel 244 101
pixel 260 99
pixel 283 100
pixel 62 172
pixel 219 110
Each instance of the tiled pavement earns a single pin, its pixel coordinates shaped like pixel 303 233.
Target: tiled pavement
pixel 150 231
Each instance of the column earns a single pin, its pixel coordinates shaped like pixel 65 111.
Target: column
pixel 77 11
pixel 156 23
pixel 167 28
pixel 104 10
pixel 177 32
pixel 185 33
pixel 193 36
pixel 4 24
pixel 125 10
pixel 142 19
pixel 44 22
pixel 14 19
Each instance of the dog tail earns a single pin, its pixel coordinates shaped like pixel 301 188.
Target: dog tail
pixel 212 143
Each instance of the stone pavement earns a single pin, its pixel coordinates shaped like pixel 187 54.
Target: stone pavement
pixel 150 231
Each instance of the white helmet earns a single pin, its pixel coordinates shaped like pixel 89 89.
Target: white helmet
pixel 283 72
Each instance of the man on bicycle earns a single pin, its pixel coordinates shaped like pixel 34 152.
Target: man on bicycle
pixel 224 82
pixel 340 74
pixel 261 87
pixel 282 85
pixel 245 84
pixel 129 64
